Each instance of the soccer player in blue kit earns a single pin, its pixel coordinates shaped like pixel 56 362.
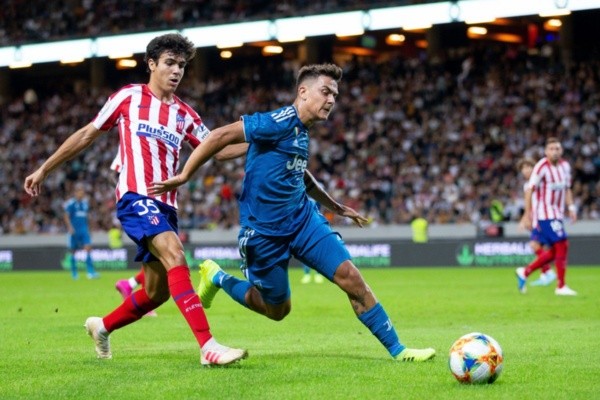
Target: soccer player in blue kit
pixel 277 218
pixel 76 219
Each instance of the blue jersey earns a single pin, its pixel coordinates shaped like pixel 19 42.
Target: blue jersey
pixel 77 210
pixel 274 199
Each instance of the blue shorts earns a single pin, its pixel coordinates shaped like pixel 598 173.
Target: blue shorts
pixel 143 217
pixel 536 236
pixel 551 231
pixel 265 259
pixel 78 240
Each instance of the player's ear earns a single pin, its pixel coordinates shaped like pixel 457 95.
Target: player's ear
pixel 151 64
pixel 302 92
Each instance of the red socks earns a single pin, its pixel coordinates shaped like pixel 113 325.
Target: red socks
pixel 561 261
pixel 139 278
pixel 558 253
pixel 546 267
pixel 180 286
pixel 133 308
pixel 544 258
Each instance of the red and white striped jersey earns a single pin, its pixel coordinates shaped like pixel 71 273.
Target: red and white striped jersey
pixel 150 134
pixel 549 184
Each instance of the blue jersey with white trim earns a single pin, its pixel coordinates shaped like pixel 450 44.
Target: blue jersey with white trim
pixel 274 199
pixel 77 210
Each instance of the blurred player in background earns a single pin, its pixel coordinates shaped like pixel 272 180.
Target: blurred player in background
pixel 309 275
pixel 548 193
pixel 76 219
pixel 152 124
pixel 277 218
pixel 547 276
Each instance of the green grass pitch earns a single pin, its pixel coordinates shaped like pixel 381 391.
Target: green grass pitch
pixel 551 344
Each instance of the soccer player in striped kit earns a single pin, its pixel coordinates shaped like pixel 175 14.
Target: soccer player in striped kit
pixel 548 194
pixel 152 125
pixel 279 220
pixel 547 276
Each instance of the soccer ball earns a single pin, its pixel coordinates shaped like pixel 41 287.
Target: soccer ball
pixel 476 358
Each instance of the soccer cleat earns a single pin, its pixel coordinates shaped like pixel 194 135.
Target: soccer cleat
pixel 124 288
pixel 151 313
pixel 102 341
pixel 521 279
pixel 416 355
pixel 545 279
pixel 550 276
pixel 207 289
pixel 222 355
pixel 541 281
pixel 565 291
pixel 305 279
pixel 319 278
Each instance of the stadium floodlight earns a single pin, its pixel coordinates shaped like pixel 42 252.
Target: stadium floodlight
pixel 19 64
pixel 223 35
pixel 288 29
pixel 480 10
pixel 125 45
pixel 423 15
pixel 55 51
pixel 7 56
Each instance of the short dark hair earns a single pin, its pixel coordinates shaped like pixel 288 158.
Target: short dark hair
pixel 171 42
pixel 316 70
pixel 551 140
pixel 525 161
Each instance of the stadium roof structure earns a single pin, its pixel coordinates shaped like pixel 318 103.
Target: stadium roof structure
pixel 295 28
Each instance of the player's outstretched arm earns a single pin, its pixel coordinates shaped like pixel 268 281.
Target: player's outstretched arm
pixel 314 190
pixel 74 145
pixel 232 151
pixel 214 143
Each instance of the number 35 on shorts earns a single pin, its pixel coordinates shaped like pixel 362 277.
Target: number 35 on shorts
pixel 148 206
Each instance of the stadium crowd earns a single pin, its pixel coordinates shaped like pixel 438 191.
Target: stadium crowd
pixel 23 21
pixel 406 137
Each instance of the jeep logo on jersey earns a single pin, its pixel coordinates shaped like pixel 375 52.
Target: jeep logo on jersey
pixel 298 164
pixel 159 133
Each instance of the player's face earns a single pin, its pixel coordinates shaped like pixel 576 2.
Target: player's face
pixel 319 97
pixel 79 193
pixel 553 152
pixel 526 170
pixel 166 72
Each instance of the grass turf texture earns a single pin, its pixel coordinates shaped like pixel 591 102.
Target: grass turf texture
pixel 320 351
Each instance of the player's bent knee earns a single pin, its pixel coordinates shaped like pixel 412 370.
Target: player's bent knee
pixel 278 312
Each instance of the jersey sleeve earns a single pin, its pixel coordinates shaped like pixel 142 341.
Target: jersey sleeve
pixel 537 174
pixel 67 206
pixel 195 131
pixel 111 112
pixel 264 127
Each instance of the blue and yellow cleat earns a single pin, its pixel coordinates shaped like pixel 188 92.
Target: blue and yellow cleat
pixel 207 289
pixel 416 355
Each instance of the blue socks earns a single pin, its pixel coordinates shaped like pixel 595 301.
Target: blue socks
pixel 380 325
pixel 74 273
pixel 236 288
pixel 89 264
